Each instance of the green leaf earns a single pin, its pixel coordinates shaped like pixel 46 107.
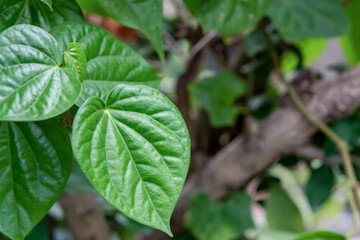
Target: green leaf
pixel 348 129
pixel 218 94
pixel 33 85
pixel 110 61
pixel 92 6
pixel 319 187
pixel 36 13
pixel 40 232
pixel 35 163
pixel 269 234
pixel 295 193
pixel 351 40
pixel 210 220
pixel 135 150
pixel 227 17
pixel 144 15
pixel 48 3
pixel 74 58
pixel 310 50
pixel 298 20
pixel 321 235
pixel 282 214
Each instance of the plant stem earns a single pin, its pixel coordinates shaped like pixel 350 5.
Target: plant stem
pixel 326 130
pixel 356 215
pixel 69 118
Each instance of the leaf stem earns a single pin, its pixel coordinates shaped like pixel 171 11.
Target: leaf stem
pixel 326 130
pixel 356 215
pixel 69 118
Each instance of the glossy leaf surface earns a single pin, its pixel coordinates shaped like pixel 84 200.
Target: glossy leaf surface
pixel 298 20
pixel 35 163
pixel 35 12
pixel 33 85
pixel 74 58
pixel 135 150
pixel 144 15
pixel 109 61
pixel 218 94
pixel 227 17
pixel 210 220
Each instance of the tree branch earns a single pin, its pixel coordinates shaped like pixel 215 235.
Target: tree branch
pixel 282 133
pixel 84 217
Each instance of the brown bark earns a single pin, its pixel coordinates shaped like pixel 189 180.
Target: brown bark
pixel 284 132
pixel 84 217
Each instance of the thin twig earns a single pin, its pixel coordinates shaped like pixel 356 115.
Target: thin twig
pixel 174 45
pixel 356 215
pixel 340 143
pixel 202 43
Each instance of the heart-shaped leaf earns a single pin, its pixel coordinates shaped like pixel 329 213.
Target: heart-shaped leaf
pixel 35 163
pixel 135 150
pixel 144 15
pixel 35 12
pixel 110 61
pixel 33 84
pixel 210 220
pixel 227 17
pixel 298 20
pixel 74 58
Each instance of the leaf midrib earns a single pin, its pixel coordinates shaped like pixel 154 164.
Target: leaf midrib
pixel 137 170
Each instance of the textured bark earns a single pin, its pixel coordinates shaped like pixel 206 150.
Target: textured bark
pixel 84 217
pixel 284 132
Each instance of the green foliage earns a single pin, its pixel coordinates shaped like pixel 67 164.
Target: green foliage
pixel 40 232
pixel 255 42
pixel 350 41
pixel 35 160
pixel 348 129
pixel 74 58
pixel 35 85
pixel 282 214
pixel 298 20
pixel 318 188
pixel 49 3
pixel 36 13
pixel 227 17
pixel 218 94
pixel 210 220
pixel 144 15
pixel 110 61
pixel 310 50
pixel 92 6
pixel 141 148
pixel 78 182
pixel 129 141
pixel 321 235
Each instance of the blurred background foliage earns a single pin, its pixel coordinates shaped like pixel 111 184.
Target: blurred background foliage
pixel 230 80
